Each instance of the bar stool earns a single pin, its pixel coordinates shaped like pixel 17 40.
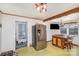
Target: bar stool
pixel 68 44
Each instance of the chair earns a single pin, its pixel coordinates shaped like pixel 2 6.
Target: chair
pixel 68 44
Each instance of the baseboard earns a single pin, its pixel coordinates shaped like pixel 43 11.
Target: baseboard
pixel 49 41
pixel 8 53
pixel 30 45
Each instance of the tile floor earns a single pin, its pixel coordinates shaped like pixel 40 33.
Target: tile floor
pixel 49 51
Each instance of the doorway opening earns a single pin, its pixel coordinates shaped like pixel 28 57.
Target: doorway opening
pixel 21 34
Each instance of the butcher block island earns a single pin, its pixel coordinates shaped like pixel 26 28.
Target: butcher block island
pixel 60 41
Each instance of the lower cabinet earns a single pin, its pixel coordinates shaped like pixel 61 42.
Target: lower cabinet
pixel 54 41
pixel 58 41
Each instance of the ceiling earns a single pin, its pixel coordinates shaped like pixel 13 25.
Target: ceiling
pixel 28 9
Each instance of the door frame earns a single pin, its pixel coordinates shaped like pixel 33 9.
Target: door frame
pixel 16 28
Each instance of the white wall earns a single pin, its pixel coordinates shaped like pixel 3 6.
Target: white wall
pixel 8 34
pixel 0 38
pixel 75 40
pixel 8 31
pixel 49 31
pixel 58 20
pixel 0 31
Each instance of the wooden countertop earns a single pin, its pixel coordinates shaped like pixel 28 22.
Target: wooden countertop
pixel 61 36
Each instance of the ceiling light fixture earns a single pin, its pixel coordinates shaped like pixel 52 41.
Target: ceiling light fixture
pixel 41 7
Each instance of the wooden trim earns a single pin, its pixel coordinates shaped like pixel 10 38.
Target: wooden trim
pixel 71 23
pixel 19 15
pixel 75 10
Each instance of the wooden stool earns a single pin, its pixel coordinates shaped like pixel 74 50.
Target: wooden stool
pixel 68 44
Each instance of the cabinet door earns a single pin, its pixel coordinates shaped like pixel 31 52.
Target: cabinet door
pixel 59 42
pixel 54 41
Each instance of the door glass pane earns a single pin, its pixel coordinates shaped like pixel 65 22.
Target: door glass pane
pixel 22 31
